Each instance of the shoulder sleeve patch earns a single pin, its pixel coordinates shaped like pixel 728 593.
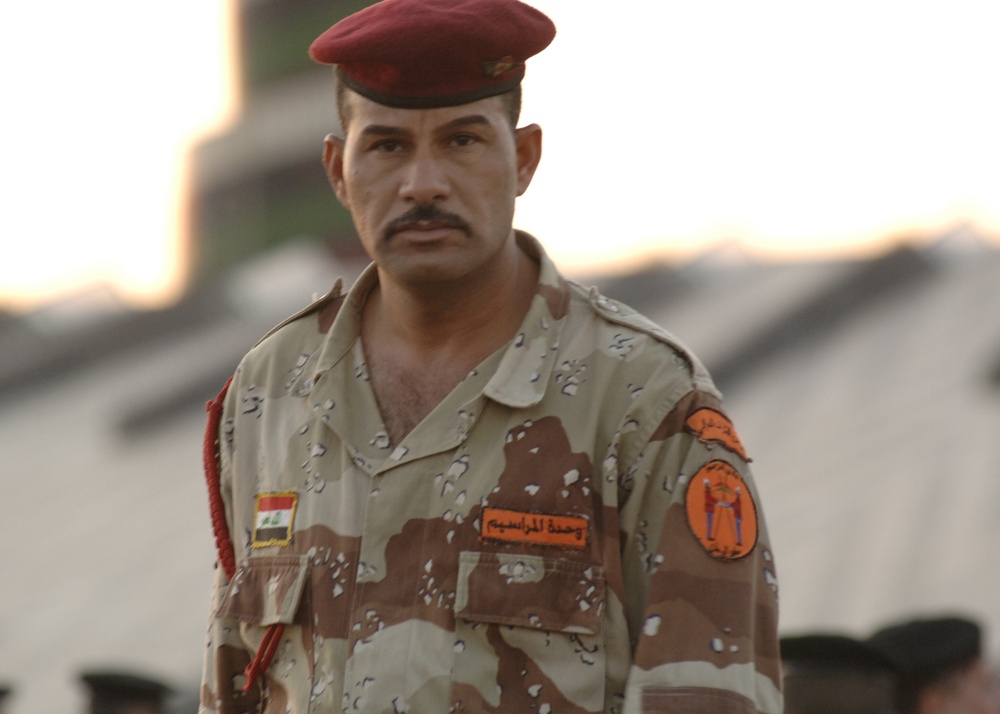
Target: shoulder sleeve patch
pixel 711 426
pixel 721 511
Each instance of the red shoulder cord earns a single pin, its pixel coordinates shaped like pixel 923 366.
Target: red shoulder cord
pixel 210 457
pixel 265 653
pixel 223 541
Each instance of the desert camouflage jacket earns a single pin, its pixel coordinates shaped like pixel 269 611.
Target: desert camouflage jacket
pixel 573 529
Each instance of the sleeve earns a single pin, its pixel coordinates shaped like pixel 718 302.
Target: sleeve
pixel 226 654
pixel 699 576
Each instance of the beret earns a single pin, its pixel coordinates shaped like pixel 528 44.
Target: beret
pixel 833 651
pixel 925 650
pixel 434 53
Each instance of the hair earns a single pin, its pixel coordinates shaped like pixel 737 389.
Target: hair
pixel 510 98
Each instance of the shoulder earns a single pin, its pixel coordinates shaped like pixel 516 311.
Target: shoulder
pixel 659 346
pixel 317 316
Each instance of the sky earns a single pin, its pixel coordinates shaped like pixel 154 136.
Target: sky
pixel 791 129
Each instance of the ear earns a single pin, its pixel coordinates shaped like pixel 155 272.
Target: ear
pixel 333 162
pixel 528 144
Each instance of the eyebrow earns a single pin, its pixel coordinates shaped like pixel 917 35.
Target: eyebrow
pixel 384 130
pixel 381 130
pixel 471 120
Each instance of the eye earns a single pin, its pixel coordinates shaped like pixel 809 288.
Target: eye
pixel 386 146
pixel 464 140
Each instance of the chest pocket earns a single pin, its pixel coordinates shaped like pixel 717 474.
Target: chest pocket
pixel 537 592
pixel 265 590
pixel 529 626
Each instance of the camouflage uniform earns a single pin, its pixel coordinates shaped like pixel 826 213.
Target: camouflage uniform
pixel 527 548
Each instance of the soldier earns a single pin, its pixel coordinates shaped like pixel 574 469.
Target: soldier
pixel 941 665
pixel 467 483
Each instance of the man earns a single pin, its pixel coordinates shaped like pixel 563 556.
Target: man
pixel 942 668
pixel 463 486
pixel 827 673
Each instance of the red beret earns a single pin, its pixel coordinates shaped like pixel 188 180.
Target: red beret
pixel 434 53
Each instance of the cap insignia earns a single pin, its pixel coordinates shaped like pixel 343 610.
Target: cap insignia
pixel 494 68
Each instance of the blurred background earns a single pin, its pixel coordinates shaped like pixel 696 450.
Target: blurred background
pixel 807 194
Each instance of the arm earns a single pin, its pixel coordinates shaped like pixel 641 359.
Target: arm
pixel 701 591
pixel 226 657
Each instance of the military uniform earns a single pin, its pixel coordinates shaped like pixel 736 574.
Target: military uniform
pixel 531 546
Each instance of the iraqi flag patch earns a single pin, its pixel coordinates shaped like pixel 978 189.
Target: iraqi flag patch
pixel 274 515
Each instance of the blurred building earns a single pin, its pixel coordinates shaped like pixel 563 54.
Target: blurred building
pixel 261 182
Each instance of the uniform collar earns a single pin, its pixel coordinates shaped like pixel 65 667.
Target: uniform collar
pixel 524 370
pixel 523 375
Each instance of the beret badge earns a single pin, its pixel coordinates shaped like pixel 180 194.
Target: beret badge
pixel 494 68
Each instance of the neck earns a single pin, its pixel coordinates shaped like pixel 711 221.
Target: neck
pixel 470 318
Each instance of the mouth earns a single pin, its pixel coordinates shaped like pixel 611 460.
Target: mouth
pixel 426 226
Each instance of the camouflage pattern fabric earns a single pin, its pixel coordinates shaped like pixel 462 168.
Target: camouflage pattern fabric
pixel 532 546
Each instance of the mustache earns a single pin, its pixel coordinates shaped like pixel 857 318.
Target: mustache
pixel 426 214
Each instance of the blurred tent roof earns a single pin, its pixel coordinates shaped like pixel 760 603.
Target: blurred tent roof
pixel 868 394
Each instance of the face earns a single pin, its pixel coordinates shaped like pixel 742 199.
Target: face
pixel 974 691
pixel 432 191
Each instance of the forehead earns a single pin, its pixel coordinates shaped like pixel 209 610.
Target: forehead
pixel 364 112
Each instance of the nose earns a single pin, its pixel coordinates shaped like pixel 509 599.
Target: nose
pixel 424 180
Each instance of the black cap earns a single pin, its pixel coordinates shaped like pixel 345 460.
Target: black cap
pixel 925 651
pixel 930 647
pixel 115 691
pixel 832 650
pixel 826 673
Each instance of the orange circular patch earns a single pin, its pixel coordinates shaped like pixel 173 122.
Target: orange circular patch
pixel 721 512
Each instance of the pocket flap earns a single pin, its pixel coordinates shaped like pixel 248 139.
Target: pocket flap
pixel 533 591
pixel 265 590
